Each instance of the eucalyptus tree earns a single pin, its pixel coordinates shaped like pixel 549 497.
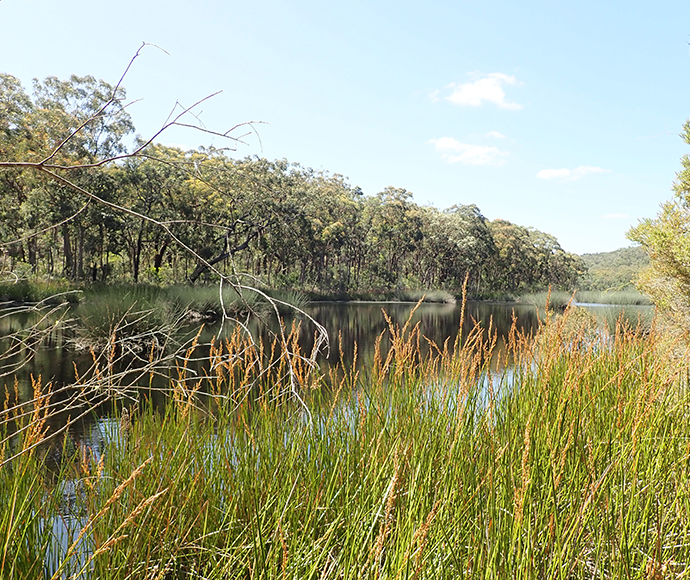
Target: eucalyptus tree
pixel 63 106
pixel 15 108
pixel 394 231
pixel 474 246
pixel 344 233
pixel 247 209
pixel 63 123
pixel 554 266
pixel 329 232
pixel 515 264
pixel 667 241
pixel 72 152
pixel 144 186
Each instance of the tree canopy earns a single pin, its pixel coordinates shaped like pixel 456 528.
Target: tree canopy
pixel 617 270
pixel 667 241
pixel 287 224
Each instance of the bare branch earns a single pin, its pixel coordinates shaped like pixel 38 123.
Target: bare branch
pixel 119 366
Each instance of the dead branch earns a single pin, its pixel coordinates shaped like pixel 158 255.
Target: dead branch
pixel 103 382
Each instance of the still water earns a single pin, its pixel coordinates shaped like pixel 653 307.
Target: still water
pixel 56 360
pixel 348 324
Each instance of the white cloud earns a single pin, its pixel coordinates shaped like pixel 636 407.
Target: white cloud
pixel 554 174
pixel 616 216
pixel 495 135
pixel 569 174
pixel 453 151
pixel 485 88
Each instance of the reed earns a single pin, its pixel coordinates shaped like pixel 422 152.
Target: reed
pixel 47 291
pixel 144 314
pixel 556 300
pixel 569 462
pixel 615 297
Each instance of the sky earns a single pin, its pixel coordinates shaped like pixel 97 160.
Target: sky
pixel 563 116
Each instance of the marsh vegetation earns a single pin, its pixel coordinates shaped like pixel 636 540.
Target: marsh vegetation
pixel 569 462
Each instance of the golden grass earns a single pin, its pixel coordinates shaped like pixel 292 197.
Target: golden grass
pixel 572 460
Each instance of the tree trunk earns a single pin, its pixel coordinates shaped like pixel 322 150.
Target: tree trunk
pixel 67 250
pixel 158 258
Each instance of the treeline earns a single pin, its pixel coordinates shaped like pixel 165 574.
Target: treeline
pixel 617 270
pixel 289 225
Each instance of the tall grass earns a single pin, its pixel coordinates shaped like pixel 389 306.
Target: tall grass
pixel 571 462
pixel 618 297
pixel 393 295
pixel 47 291
pixel 145 314
pixel 558 300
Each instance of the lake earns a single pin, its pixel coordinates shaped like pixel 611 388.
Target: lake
pixel 347 323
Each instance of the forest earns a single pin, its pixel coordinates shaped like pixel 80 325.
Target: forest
pixel 288 225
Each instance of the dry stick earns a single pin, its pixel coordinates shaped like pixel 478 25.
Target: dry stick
pixel 238 287
pixel 111 100
pixel 77 400
pixel 139 151
pixel 19 342
pixel 49 169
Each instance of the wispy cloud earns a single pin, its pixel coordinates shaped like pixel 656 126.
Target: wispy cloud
pixel 453 151
pixel 644 138
pixel 616 216
pixel 495 135
pixel 569 174
pixel 484 88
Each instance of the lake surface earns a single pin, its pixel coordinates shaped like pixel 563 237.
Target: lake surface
pixel 350 323
pixel 347 324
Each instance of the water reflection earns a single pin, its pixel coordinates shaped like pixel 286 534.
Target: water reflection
pixel 360 324
pixel 348 324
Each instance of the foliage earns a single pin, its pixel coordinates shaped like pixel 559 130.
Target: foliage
pixel 528 259
pixel 665 239
pixel 617 270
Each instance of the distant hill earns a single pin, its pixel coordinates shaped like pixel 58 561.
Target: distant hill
pixel 618 269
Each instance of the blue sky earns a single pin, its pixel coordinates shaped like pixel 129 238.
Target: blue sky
pixel 561 116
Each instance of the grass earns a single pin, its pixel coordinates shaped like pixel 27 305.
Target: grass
pixel 137 315
pixel 147 314
pixel 558 300
pixel 571 462
pixel 431 296
pixel 47 291
pixel 618 297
